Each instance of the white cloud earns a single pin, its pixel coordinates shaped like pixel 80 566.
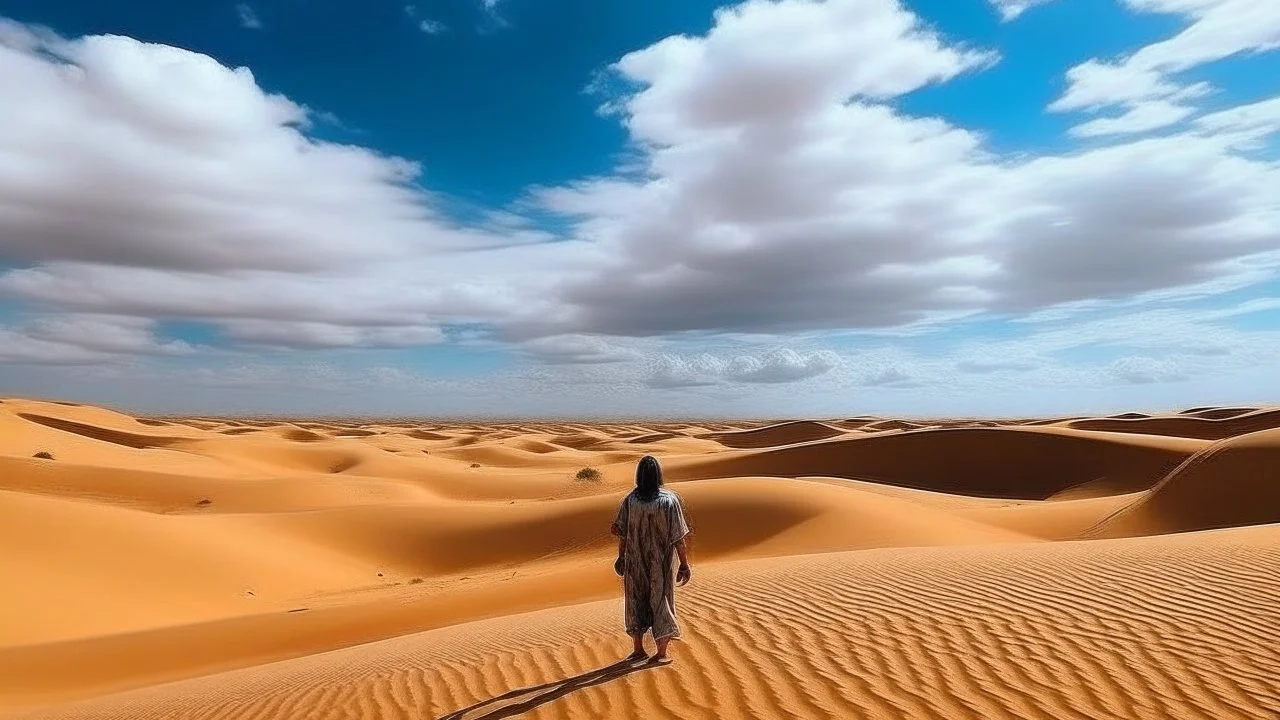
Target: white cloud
pixel 1217 29
pixel 104 333
pixel 317 335
pixel 248 18
pixel 778 195
pixel 432 27
pixel 163 158
pixel 890 377
pixel 1012 9
pixel 780 366
pixel 1245 124
pixel 672 372
pixel 490 9
pixel 15 347
pixel 776 366
pixel 147 180
pixel 578 349
pixel 1139 118
pixel 88 338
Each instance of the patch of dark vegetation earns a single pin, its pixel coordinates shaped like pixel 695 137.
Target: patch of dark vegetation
pixel 475 465
pixel 588 474
pixel 415 581
pixel 202 502
pixel 44 455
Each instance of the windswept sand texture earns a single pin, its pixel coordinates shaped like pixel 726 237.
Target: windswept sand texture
pixel 1122 567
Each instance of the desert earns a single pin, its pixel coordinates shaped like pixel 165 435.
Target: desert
pixel 256 568
pixel 640 360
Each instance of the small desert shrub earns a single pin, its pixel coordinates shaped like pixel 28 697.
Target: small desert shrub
pixel 203 501
pixel 588 475
pixel 44 455
pixel 415 581
pixel 475 465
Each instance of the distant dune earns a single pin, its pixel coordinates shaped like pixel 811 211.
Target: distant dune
pixel 1213 424
pixel 1120 567
pixel 1012 462
pixel 782 434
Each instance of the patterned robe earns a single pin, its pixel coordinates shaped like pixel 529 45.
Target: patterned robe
pixel 651 530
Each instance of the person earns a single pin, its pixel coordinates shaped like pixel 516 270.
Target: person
pixel 651 532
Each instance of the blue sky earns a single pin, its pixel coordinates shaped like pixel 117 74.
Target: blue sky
pixel 667 208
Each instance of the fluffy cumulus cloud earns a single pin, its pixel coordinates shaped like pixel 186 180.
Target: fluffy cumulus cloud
pixel 140 179
pixel 780 365
pixel 782 191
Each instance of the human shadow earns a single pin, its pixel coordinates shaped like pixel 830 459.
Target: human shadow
pixel 547 692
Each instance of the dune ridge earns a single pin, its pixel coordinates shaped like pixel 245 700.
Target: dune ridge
pixel 1010 462
pixel 1233 482
pixel 788 433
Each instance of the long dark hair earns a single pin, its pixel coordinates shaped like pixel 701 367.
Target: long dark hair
pixel 648 478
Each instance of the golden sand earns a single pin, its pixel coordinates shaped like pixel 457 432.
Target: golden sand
pixel 1124 567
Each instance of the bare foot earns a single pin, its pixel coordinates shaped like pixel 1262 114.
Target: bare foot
pixel 661 660
pixel 638 655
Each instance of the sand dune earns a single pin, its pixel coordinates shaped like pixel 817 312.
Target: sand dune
pixel 1234 482
pixel 774 435
pixel 1218 413
pixel 84 569
pixel 871 567
pixel 1211 424
pixel 994 462
pixel 1041 631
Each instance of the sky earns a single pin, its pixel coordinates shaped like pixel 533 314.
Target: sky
pixel 640 208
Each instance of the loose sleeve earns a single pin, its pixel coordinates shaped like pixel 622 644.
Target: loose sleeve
pixel 620 522
pixel 676 521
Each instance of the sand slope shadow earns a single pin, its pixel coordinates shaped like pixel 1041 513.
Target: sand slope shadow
pixel 136 441
pixel 522 700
